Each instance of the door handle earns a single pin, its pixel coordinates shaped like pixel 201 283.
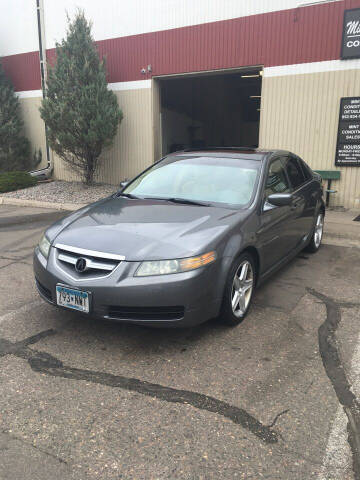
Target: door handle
pixel 294 205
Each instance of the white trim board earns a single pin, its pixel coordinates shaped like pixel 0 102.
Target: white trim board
pixel 112 86
pixel 130 85
pixel 29 94
pixel 313 67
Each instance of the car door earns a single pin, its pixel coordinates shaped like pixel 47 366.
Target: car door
pixel 301 220
pixel 274 234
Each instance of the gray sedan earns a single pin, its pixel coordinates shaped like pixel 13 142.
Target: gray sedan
pixel 187 240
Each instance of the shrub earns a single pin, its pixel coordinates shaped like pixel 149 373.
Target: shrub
pixel 14 147
pixel 80 112
pixel 10 181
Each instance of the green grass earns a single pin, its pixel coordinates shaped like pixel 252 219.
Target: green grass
pixel 10 181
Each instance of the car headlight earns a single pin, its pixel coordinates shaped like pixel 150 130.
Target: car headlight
pixel 164 267
pixel 44 246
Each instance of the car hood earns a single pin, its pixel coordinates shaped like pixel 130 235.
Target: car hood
pixel 145 229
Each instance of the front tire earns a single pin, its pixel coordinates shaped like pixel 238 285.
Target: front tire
pixel 317 235
pixel 239 289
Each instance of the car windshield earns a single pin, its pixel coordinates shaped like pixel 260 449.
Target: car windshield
pixel 200 179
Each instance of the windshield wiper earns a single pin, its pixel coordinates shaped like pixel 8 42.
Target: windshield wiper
pixel 127 195
pixel 187 201
pixel 184 201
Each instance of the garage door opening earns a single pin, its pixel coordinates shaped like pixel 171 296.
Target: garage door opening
pixel 212 109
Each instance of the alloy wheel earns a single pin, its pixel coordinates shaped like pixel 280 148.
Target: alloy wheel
pixel 242 288
pixel 319 227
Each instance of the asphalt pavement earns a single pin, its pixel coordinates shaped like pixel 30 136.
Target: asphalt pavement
pixel 275 398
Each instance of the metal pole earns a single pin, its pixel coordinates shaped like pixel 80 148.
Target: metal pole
pixel 43 72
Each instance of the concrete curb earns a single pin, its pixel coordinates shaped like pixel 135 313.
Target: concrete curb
pixel 38 203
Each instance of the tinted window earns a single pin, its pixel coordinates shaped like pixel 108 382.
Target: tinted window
pixel 305 169
pixel 210 179
pixel 294 172
pixel 276 181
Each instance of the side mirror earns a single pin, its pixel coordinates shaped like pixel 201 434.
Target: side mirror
pixel 124 184
pixel 280 199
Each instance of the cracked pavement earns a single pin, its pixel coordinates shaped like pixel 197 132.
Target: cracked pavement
pixel 274 398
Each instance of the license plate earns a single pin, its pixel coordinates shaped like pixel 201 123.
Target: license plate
pixel 72 298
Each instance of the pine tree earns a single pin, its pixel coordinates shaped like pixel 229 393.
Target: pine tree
pixel 81 114
pixel 14 147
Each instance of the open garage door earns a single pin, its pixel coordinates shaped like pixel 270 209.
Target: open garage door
pixel 208 109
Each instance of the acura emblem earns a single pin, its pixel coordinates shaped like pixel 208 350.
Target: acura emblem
pixel 80 265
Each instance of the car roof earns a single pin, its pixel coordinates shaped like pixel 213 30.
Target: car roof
pixel 231 152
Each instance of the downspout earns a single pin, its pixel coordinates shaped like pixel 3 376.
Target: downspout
pixel 47 171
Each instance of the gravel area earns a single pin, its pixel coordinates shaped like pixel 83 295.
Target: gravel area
pixel 64 192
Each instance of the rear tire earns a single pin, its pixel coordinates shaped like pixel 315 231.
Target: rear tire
pixel 239 289
pixel 316 237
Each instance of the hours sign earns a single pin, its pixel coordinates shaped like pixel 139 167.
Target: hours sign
pixel 348 139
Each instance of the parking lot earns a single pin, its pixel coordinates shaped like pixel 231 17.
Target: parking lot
pixel 274 398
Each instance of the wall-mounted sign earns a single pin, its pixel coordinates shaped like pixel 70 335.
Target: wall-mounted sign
pixel 348 140
pixel 350 47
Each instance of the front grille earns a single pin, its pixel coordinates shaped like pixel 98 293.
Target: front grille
pixel 45 292
pixel 96 263
pixel 146 313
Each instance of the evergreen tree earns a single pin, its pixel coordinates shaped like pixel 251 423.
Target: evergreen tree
pixel 80 112
pixel 14 147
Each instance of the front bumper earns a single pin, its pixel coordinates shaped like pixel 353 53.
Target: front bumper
pixel 177 300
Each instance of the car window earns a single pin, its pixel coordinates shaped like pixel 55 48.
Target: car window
pixel 294 172
pixel 276 181
pixel 305 169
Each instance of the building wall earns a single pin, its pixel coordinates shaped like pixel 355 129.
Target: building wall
pixel 300 111
pixel 34 128
pixel 19 56
pixel 298 46
pixel 132 149
pixel 292 36
pixel 180 40
pixel 123 18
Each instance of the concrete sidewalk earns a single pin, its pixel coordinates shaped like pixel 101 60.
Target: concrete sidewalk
pixel 19 202
pixel 341 229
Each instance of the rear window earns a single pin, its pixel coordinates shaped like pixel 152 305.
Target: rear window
pixel 294 172
pixel 305 169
